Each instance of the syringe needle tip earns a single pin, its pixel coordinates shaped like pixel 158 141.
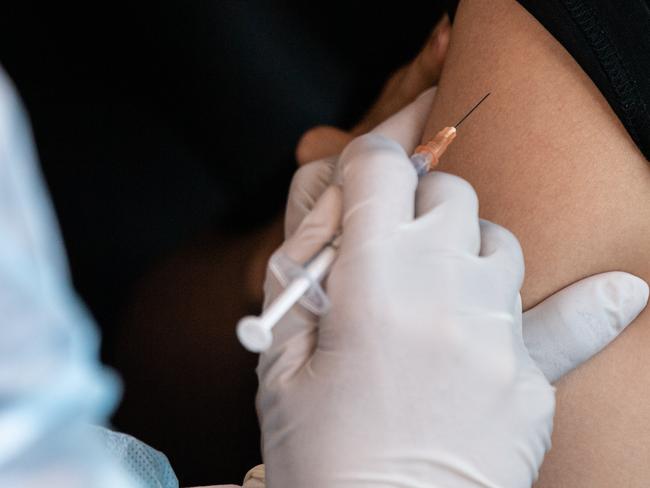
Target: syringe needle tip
pixel 471 110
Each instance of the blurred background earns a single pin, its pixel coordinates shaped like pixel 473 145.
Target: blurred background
pixel 166 132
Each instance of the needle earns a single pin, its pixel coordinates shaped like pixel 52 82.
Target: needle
pixel 471 110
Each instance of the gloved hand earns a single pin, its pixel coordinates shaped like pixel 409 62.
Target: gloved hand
pixel 422 345
pixel 561 332
pixel 418 374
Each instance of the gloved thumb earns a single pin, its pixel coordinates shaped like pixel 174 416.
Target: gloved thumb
pixel 577 322
pixel 295 334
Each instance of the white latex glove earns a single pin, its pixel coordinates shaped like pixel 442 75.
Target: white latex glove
pixel 418 374
pixel 421 346
pixel 561 332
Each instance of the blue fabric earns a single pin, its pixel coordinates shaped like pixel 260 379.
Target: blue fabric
pixel 143 462
pixel 52 384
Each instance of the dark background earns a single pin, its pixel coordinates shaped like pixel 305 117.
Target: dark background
pixel 166 134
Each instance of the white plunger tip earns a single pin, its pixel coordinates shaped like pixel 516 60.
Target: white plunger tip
pixel 253 335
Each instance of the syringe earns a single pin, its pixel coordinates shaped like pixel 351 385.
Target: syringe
pixel 254 332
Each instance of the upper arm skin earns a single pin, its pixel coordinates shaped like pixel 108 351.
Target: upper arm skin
pixel 551 162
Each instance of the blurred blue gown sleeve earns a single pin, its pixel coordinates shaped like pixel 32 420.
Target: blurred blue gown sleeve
pixel 52 384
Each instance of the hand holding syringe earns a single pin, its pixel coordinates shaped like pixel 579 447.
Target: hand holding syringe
pixel 254 332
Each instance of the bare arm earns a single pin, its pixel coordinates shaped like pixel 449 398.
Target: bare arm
pixel 550 161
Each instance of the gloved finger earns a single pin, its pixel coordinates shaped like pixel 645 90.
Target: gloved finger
pixel 501 251
pixel 307 185
pixel 321 142
pixel 316 228
pixel 295 334
pixel 379 184
pixel 407 125
pixel 449 206
pixel 578 321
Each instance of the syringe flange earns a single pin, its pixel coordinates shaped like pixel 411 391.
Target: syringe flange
pixel 286 270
